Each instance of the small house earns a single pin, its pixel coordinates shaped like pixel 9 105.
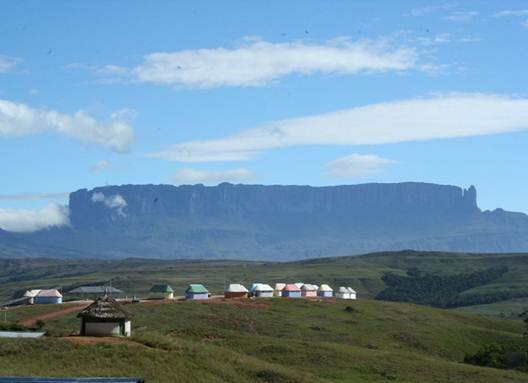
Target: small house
pixel 30 295
pixel 291 291
pixel 48 297
pixel 343 293
pixel 325 291
pixel 196 292
pixel 262 290
pixel 236 290
pixel 278 289
pixel 352 292
pixel 105 317
pixel 161 291
pixel 308 290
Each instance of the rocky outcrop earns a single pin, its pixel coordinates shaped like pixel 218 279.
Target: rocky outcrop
pixel 281 222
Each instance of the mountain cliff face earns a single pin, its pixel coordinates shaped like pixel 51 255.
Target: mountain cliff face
pixel 281 222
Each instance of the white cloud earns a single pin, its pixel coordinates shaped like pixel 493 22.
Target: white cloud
pixel 21 120
pixel 23 221
pixel 115 202
pixel 512 13
pixel 461 16
pixel 8 63
pixel 434 117
pixel 356 165
pixel 100 166
pixel 256 63
pixel 195 176
pixel 422 11
pixel 33 196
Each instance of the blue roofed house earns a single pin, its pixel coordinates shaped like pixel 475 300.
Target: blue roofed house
pixel 196 292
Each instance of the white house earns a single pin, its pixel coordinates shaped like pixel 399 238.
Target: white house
pixel 343 293
pixel 278 289
pixel 325 291
pixel 352 292
pixel 262 290
pixel 31 294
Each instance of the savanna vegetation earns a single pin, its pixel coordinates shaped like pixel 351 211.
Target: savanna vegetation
pixel 275 340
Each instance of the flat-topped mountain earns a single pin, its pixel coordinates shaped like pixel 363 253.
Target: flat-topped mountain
pixel 280 222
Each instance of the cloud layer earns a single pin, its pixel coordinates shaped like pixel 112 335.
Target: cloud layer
pixel 356 165
pixel 21 120
pixel 435 117
pixel 8 63
pixel 260 62
pixel 115 202
pixel 25 220
pixel 196 176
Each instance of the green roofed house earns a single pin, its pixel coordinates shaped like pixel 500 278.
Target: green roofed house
pixel 196 292
pixel 162 291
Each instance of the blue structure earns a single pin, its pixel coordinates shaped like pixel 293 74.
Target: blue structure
pixel 196 292
pixel 48 297
pixel 291 291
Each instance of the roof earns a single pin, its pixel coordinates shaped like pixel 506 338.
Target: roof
pixel 261 287
pixel 291 287
pixel 343 289
pixel 31 293
pixel 105 308
pixel 299 284
pixel 325 287
pixel 70 380
pixel 95 290
pixel 308 287
pixel 236 288
pixel 52 293
pixel 21 334
pixel 279 286
pixel 196 289
pixel 161 288
pixel 351 290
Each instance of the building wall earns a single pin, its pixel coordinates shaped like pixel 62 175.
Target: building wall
pixel 47 300
pixel 342 295
pixel 292 294
pixel 325 294
pixel 191 296
pixel 128 328
pixel 309 293
pixel 264 294
pixel 162 295
pixel 102 328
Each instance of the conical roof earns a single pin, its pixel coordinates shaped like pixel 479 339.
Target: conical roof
pixel 105 308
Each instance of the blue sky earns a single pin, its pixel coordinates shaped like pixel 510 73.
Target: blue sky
pixel 318 92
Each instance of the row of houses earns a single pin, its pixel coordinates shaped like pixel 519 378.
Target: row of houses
pixel 263 290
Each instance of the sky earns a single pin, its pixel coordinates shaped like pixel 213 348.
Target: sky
pixel 300 92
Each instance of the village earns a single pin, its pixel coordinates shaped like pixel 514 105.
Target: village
pixel 105 314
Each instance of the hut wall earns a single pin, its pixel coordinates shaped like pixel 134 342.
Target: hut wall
pixel 309 293
pixel 47 300
pixel 325 294
pixel 196 296
pixel 264 294
pixel 102 328
pixel 292 294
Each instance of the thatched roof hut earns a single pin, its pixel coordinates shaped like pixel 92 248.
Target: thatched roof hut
pixel 105 317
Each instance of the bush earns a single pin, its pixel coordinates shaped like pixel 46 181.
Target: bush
pixel 499 356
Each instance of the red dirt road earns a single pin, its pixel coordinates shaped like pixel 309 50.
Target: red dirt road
pixel 56 314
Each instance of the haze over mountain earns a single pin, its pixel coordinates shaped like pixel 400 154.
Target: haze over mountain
pixel 272 222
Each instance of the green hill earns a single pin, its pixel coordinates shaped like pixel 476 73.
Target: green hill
pixel 274 340
pixel 364 273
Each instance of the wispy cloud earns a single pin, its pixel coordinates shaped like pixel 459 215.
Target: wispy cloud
pixel 100 166
pixel 195 176
pixel 21 120
pixel 356 165
pixel 115 202
pixel 33 196
pixel 514 13
pixel 7 63
pixel 255 63
pixel 461 16
pixel 25 220
pixel 434 117
pixel 426 10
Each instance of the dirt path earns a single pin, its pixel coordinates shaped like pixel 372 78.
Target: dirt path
pixel 99 340
pixel 56 314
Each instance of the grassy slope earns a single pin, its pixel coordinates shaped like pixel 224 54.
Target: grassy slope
pixel 274 341
pixel 363 273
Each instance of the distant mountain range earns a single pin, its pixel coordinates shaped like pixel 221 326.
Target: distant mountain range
pixel 272 222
